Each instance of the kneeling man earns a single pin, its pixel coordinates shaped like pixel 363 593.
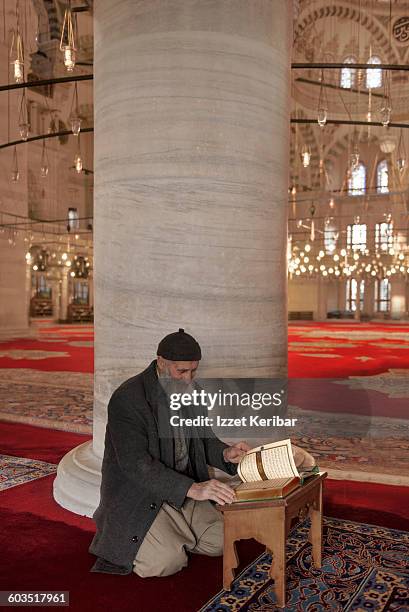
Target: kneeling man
pixel 156 495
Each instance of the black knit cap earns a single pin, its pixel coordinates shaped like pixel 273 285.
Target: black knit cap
pixel 179 346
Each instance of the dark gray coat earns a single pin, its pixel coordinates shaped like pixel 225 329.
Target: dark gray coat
pixel 138 474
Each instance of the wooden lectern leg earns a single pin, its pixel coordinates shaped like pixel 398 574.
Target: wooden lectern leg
pixel 315 535
pixel 230 562
pixel 277 572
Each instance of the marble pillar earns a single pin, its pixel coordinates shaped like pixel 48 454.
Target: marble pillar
pixel 342 295
pixel 357 314
pixel 90 290
pixel 369 297
pixel 14 294
pixel 64 293
pixel 191 178
pixel 398 297
pixel 322 299
pixel 56 298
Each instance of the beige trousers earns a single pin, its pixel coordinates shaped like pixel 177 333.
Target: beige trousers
pixel 197 527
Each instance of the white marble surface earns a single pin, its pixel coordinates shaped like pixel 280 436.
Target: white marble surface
pixel 191 176
pixel 191 169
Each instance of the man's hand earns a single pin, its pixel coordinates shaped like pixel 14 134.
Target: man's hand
pixel 302 458
pixel 212 489
pixel 236 452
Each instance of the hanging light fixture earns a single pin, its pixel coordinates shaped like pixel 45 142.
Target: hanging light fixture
pixel 15 174
pixel 74 114
pixel 385 114
pixel 385 111
pixel 17 50
pixel 52 128
pixel 354 156
pixel 44 162
pixel 322 112
pixel 18 62
pixel 23 119
pixel 78 158
pixel 67 41
pixel 401 160
pixel 387 142
pixel 305 155
pixel 312 229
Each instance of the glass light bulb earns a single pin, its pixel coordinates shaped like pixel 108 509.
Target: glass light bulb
pixel 75 125
pixel 78 163
pixel 401 164
pixel 306 157
pixel 18 69
pixel 24 130
pixel 15 175
pixel 44 171
pixel 354 159
pixel 69 57
pixel 322 116
pixel 385 114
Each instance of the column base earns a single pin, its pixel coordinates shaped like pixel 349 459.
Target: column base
pixel 77 485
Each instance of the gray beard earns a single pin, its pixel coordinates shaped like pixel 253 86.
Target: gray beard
pixel 171 385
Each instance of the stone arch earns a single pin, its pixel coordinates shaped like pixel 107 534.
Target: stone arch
pixel 343 11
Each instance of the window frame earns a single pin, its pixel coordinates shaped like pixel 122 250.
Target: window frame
pixel 373 59
pixel 348 73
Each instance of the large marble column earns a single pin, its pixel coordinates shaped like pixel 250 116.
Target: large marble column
pixel 56 299
pixel 91 290
pixel 369 296
pixel 398 297
pixel 191 177
pixel 14 315
pixel 64 294
pixel 322 298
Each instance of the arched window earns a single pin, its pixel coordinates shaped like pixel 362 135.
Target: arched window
pixel 330 237
pixel 347 80
pixel 353 287
pixel 382 295
pixel 356 236
pixel 374 75
pixel 357 180
pixel 384 236
pixel 382 177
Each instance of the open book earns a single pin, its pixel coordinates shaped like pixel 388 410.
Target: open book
pixel 269 471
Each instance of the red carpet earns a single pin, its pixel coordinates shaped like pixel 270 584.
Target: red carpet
pixel 316 350
pixel 46 548
pixel 76 359
pixel 37 442
pixel 327 395
pixel 337 350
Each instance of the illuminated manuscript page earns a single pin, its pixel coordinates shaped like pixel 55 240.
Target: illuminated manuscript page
pixel 277 461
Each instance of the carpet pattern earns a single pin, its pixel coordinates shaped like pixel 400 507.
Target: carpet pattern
pixel 19 470
pixel 321 350
pixel 315 350
pixel 364 568
pixel 61 401
pixel 63 348
pixel 353 446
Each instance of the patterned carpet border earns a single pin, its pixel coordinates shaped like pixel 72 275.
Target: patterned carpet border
pixel 15 471
pixel 355 447
pixel 61 401
pixel 364 567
